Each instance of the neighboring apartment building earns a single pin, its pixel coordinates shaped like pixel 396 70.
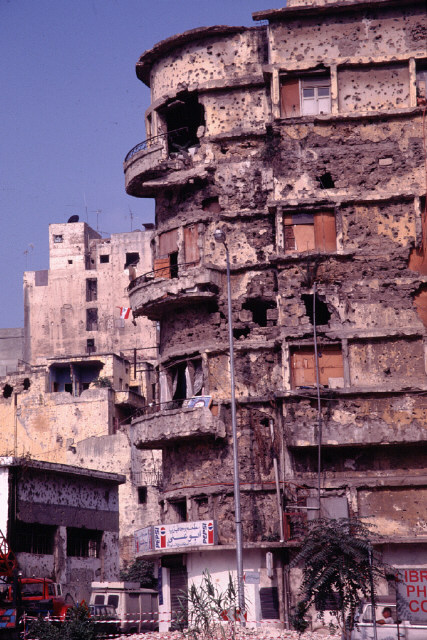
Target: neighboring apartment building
pixel 86 370
pixel 74 307
pixel 61 522
pixel 302 139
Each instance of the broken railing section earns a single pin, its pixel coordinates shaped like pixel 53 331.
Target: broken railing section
pixel 171 137
pixel 163 269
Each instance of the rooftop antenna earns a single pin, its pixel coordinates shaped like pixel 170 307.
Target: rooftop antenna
pixel 97 211
pixel 87 214
pixel 131 218
pixel 26 252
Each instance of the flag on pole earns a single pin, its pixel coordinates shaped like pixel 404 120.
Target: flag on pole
pixel 124 312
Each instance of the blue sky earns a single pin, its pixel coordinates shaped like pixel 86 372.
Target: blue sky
pixel 71 108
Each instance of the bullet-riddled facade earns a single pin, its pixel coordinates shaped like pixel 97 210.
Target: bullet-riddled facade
pixel 302 139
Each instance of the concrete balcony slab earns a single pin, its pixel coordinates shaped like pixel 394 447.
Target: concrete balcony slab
pixel 162 429
pixel 152 297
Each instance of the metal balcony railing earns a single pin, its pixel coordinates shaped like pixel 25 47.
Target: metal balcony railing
pixel 172 138
pixel 173 270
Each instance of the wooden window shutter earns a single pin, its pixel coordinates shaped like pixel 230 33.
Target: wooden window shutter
pixel 289 235
pixel 302 367
pixel 168 243
pixel 162 268
pixel 290 98
pixel 325 234
pixel 191 248
pixel 330 364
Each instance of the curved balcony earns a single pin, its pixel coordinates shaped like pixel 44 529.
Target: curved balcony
pixel 168 153
pixel 159 430
pixel 158 292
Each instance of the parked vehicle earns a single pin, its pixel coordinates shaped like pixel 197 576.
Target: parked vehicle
pixel 388 625
pixel 105 618
pixel 136 607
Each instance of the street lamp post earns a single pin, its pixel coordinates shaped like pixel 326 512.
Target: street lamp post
pixel 219 236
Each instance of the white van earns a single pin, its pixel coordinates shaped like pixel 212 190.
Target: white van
pixel 388 626
pixel 137 608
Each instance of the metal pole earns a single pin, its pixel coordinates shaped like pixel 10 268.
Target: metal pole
pixel 237 512
pixel 371 584
pixel 278 494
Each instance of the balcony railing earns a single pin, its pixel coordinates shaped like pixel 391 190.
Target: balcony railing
pixel 172 138
pixel 169 272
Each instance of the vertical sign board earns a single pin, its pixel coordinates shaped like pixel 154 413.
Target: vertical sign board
pixel 411 595
pixel 143 540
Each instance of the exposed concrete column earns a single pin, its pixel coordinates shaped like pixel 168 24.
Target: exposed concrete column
pixel 346 363
pixel 60 555
pixel 412 83
pixel 275 93
pixel 334 89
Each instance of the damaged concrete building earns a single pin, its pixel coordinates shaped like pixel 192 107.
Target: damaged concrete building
pixel 86 368
pixel 302 139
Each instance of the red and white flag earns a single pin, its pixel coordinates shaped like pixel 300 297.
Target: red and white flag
pixel 124 312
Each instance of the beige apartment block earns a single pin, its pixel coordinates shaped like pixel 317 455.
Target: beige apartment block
pixel 302 138
pixel 74 306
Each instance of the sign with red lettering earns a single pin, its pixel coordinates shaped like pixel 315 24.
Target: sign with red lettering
pixel 411 595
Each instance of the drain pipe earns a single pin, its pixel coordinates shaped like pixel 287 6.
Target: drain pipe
pixel 276 477
pixel 319 407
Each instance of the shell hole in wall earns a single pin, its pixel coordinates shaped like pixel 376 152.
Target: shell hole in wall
pixel 7 391
pixel 319 308
pixel 326 181
pixel 259 309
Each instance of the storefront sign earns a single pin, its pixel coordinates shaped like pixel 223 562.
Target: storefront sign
pixel 143 539
pixel 251 577
pixel 185 534
pixel 411 595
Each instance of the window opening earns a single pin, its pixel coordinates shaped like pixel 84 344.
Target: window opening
pixel 104 258
pixel 83 543
pixel 34 538
pixel 113 599
pixel 241 333
pixel 211 204
pixel 173 260
pixel 183 117
pixel 167 255
pixel 91 289
pixel 70 262
pixel 259 309
pixel 179 508
pixel 99 599
pixel 132 259
pixel 26 384
pixel 142 495
pixel 58 238
pixel 92 319
pixel 323 315
pixel 305 96
pixel 421 83
pixel 331 366
pixel 180 382
pixel 7 390
pixel 310 232
pixel 90 346
pixel 326 181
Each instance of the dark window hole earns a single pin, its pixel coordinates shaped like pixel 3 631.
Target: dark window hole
pixel 7 391
pixel 26 384
pixel 241 333
pixel 259 310
pixel 326 181
pixel 323 315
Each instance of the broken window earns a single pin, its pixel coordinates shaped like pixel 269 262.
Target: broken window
pixel 259 309
pixel 7 390
pixel 104 258
pixel 132 259
pixel 331 366
pixel 34 538
pixel 181 381
pixel 310 232
pixel 166 264
pixel 91 289
pixel 305 96
pixel 92 319
pixel 320 308
pixel 83 543
pixel 58 238
pixel 142 495
pixel 26 384
pixel 421 83
pixel 90 346
pixel 183 117
pixel 179 510
pixel 191 248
